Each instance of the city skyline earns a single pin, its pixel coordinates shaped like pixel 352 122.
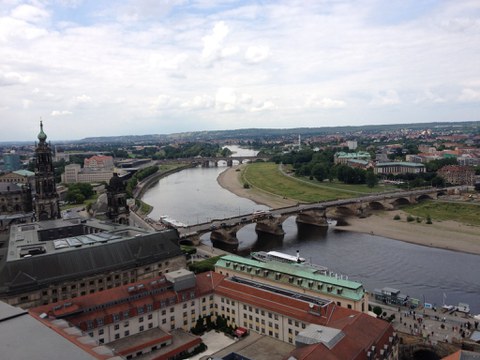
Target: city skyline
pixel 134 68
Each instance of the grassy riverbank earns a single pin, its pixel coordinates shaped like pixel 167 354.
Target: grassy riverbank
pixel 268 177
pixel 441 211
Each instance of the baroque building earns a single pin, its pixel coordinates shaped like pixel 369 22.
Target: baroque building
pixel 46 198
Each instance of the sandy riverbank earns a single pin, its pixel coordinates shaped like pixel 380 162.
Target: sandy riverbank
pixel 441 234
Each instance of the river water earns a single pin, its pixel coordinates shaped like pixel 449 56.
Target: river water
pixel 194 196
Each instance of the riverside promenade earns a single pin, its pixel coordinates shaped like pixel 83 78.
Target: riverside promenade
pixel 429 325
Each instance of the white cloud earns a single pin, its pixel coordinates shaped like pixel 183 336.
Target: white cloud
pixel 469 95
pixel 30 13
pixel 12 78
pixel 225 99
pixel 267 105
pixel 56 113
pixel 388 97
pixel 199 102
pixel 82 99
pixel 212 44
pixel 26 103
pixel 164 101
pixel 256 54
pixel 196 61
pixel 322 102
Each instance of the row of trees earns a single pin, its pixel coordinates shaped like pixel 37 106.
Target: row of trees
pixel 139 176
pixel 320 166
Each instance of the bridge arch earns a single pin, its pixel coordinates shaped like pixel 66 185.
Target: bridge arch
pixel 376 205
pixel 400 202
pixel 424 197
pixel 344 211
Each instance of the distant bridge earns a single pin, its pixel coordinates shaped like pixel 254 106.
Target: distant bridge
pixel 225 230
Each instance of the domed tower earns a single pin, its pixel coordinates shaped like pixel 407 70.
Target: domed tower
pixel 46 197
pixel 118 210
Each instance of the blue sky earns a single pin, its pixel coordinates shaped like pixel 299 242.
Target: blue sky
pixel 91 68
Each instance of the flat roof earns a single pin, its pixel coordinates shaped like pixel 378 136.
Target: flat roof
pixel 23 337
pixel 25 237
pixel 31 262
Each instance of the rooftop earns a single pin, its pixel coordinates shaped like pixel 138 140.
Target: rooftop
pixel 347 288
pixel 59 250
pixel 23 337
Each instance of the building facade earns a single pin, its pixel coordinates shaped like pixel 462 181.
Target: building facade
pixel 11 162
pixel 97 162
pixel 19 177
pixel 458 175
pixel 396 168
pixel 343 157
pixel 137 320
pixel 297 277
pixel 61 259
pixel 75 174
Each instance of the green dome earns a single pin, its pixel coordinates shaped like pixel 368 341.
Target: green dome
pixel 41 135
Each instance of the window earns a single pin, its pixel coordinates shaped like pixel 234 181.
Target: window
pixel 150 325
pixel 141 328
pixel 127 332
pixel 140 310
pixel 150 316
pixel 164 312
pixel 100 332
pixel 164 321
pixel 140 319
pixel 125 324
pixel 117 336
pixel 116 327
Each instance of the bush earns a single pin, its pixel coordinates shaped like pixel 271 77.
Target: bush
pixel 377 310
pixel 429 219
pixel 246 185
pixel 419 220
pixel 396 217
pixel 410 218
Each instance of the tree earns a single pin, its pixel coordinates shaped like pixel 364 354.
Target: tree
pixel 371 179
pixel 438 181
pixel 319 172
pixel 377 310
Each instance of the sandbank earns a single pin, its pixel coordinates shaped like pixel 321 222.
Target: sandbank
pixel 449 235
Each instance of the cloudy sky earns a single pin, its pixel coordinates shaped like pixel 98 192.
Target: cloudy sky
pixel 99 67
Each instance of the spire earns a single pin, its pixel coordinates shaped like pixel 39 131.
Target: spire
pixel 41 135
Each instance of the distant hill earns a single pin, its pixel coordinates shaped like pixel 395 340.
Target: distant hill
pixel 252 134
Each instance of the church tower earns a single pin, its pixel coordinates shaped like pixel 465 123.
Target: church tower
pixel 46 198
pixel 118 211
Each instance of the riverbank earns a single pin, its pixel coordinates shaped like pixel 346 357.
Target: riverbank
pixel 449 235
pixel 231 181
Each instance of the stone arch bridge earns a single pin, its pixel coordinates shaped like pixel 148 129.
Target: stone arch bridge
pixel 318 214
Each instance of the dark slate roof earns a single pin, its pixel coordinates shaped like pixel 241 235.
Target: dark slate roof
pixel 38 271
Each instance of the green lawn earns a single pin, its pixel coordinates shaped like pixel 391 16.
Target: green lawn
pixel 268 177
pixel 464 212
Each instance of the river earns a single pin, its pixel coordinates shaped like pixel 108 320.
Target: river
pixel 194 196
